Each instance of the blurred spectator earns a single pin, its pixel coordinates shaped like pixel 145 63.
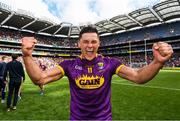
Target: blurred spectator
pixel 16 74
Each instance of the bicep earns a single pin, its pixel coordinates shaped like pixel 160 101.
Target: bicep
pixel 128 73
pixel 51 75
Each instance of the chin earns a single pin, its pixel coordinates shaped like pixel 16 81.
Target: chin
pixel 90 57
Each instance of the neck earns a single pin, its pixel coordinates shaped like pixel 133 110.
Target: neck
pixel 88 58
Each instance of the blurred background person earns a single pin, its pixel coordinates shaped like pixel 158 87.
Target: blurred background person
pixel 16 74
pixel 2 79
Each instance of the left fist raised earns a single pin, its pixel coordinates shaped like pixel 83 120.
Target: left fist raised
pixel 162 51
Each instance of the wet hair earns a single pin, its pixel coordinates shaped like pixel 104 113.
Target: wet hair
pixel 14 56
pixel 88 29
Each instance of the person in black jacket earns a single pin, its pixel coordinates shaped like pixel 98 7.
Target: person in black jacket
pixel 2 80
pixel 16 76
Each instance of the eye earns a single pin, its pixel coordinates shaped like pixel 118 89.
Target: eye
pixel 85 41
pixel 94 42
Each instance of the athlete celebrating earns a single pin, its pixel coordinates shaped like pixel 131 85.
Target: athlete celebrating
pixel 90 74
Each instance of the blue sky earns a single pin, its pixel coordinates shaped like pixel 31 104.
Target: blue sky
pixel 79 12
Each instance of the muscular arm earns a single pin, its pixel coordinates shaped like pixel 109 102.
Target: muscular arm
pixel 142 75
pixel 161 52
pixel 38 76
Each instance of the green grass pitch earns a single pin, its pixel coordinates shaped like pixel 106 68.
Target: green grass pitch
pixel 158 99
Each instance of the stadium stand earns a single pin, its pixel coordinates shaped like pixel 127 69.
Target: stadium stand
pixel 128 37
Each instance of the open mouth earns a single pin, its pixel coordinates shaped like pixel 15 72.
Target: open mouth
pixel 89 52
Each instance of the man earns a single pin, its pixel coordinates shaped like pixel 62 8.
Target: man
pixel 16 74
pixel 90 74
pixel 2 79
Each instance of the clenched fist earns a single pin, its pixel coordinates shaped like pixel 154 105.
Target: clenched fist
pixel 162 51
pixel 28 44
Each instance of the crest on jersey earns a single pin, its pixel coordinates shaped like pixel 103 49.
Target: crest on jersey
pixel 89 82
pixel 100 65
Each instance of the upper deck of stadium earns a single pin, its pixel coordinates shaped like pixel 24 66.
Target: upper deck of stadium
pixel 160 13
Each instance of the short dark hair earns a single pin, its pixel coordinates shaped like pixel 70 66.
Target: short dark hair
pixel 4 57
pixel 88 29
pixel 14 56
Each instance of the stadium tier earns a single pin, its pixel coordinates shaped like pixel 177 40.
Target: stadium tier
pixel 128 37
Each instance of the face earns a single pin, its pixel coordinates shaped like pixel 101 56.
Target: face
pixel 6 60
pixel 89 44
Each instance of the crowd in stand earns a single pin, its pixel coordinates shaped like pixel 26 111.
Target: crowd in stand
pixel 50 62
pixel 150 33
pixel 138 35
pixel 156 32
pixel 14 35
pixel 140 58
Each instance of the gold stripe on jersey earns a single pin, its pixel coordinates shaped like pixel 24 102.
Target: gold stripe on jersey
pixel 119 68
pixel 61 69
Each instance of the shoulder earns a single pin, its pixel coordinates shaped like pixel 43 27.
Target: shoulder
pixel 18 62
pixel 3 63
pixel 9 63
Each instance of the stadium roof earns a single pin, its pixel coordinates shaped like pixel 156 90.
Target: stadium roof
pixel 22 20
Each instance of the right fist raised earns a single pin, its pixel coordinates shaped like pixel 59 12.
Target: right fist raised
pixel 28 44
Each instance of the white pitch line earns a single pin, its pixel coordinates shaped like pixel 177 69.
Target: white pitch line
pixel 156 87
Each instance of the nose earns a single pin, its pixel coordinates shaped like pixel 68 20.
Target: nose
pixel 90 44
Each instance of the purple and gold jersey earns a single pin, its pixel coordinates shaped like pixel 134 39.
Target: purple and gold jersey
pixel 90 83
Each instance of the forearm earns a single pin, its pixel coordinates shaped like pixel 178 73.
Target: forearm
pixel 33 70
pixel 146 73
